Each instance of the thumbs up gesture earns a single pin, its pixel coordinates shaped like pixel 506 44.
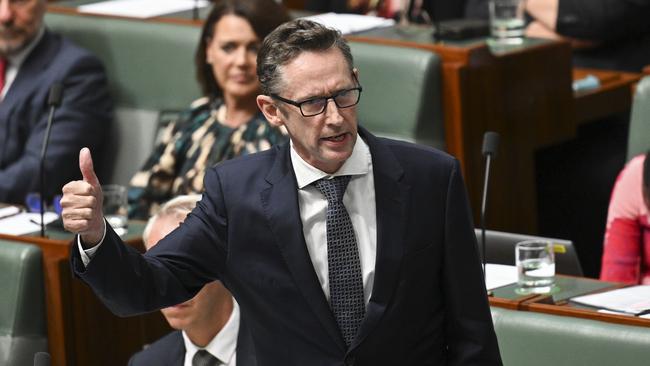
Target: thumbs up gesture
pixel 82 203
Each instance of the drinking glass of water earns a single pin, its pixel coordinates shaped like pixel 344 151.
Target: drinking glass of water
pixel 507 21
pixel 116 207
pixel 535 266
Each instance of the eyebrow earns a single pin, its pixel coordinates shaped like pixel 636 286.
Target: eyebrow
pixel 318 96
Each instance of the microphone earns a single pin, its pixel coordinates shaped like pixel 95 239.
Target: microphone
pixel 490 146
pixel 195 10
pixel 42 359
pixel 53 101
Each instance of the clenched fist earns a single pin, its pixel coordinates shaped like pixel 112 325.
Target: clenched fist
pixel 82 203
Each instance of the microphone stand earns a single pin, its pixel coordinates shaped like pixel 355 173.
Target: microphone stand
pixel 488 159
pixel 195 10
pixel 53 100
pixel 490 144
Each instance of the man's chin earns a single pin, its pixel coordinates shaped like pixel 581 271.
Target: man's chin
pixel 13 45
pixel 11 48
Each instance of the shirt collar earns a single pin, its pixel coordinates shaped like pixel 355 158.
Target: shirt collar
pixel 357 164
pixel 17 59
pixel 224 344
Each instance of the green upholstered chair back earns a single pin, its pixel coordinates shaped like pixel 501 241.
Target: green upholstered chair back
pixel 150 68
pixel 639 135
pixel 23 330
pixel 537 339
pixel 401 93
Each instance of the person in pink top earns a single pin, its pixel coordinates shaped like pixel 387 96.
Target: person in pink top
pixel 626 255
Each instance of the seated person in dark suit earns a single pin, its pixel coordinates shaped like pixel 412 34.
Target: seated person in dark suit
pixel 208 324
pixel 225 123
pixel 606 34
pixel 31 60
pixel 341 248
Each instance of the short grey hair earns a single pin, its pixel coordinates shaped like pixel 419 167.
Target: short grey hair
pixel 177 207
pixel 287 42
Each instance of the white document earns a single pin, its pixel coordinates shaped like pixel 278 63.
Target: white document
pixel 25 223
pixel 141 8
pixel 498 275
pixel 351 23
pixel 634 300
pixel 9 211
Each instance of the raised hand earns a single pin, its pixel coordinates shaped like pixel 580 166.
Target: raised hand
pixel 82 203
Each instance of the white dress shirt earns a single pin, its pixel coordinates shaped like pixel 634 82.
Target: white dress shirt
pixel 359 200
pixel 15 61
pixel 223 346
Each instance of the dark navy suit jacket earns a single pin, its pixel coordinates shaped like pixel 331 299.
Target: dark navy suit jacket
pixel 170 350
pixel 82 119
pixel 428 304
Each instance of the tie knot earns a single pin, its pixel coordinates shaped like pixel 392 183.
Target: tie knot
pixel 204 358
pixel 333 189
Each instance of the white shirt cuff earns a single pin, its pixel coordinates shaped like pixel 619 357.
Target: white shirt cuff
pixel 87 254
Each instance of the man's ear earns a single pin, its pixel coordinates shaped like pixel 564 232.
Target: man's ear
pixel 355 71
pixel 272 113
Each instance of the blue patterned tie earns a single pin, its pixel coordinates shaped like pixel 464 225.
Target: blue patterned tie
pixel 344 266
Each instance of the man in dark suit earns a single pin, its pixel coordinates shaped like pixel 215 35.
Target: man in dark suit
pixel 384 271
pixel 31 60
pixel 208 325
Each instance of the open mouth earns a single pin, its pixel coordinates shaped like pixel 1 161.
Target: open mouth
pixel 337 138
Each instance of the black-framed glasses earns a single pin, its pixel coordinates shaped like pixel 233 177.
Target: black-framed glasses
pixel 315 106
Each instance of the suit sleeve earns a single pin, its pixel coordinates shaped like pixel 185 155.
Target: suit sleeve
pixel 82 120
pixel 603 20
pixel 469 329
pixel 173 271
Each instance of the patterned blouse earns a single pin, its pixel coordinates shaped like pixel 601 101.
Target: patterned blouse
pixel 626 255
pixel 195 141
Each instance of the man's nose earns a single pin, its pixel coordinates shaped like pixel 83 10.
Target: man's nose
pixel 332 112
pixel 6 12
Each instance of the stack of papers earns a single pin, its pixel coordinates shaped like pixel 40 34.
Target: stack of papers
pixel 499 275
pixel 633 300
pixel 24 223
pixel 351 23
pixel 141 8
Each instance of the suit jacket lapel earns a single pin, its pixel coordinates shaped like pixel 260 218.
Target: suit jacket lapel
pixel 391 196
pixel 280 202
pixel 38 59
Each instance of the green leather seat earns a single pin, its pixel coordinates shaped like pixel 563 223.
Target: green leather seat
pixel 23 329
pixel 639 135
pixel 150 68
pixel 401 93
pixel 537 339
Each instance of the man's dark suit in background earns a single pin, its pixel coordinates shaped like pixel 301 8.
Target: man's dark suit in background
pixel 428 304
pixel 82 119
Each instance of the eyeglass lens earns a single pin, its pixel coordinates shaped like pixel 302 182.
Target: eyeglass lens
pixel 344 99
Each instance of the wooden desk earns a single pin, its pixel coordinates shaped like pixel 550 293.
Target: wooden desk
pixel 558 303
pixel 81 331
pixel 613 96
pixel 524 95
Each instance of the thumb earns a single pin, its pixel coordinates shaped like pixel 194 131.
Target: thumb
pixel 86 167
